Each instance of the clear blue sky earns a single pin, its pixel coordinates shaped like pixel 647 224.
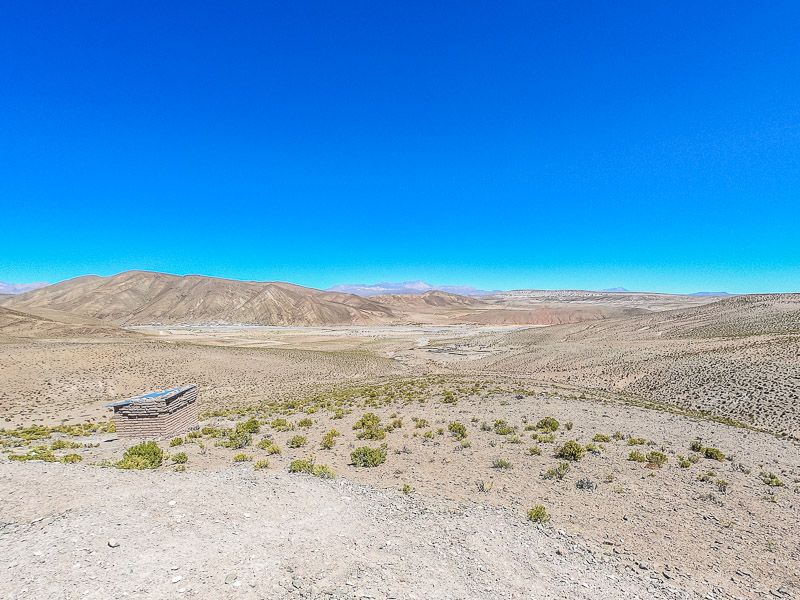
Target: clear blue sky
pixel 650 145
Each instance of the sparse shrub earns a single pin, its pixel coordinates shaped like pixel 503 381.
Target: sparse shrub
pixel 586 484
pixel 618 435
pixel 484 486
pixel 428 434
pixel 656 458
pixel 178 441
pixel 722 486
pixel 458 430
pixel 71 458
pixel 713 454
pixel 368 420
pixel 367 457
pixel 261 464
pixel 64 444
pixel 237 439
pixel 305 423
pixel 146 455
pixel 593 448
pixel 281 425
pixel 637 456
pixel 298 441
pixel 466 444
pixel 558 472
pixel 242 458
pixel 323 471
pixel 696 446
pixel 637 442
pixel 771 479
pixel 301 466
pixel 538 514
pixel 264 444
pixel 501 463
pixel 328 440
pixel 548 424
pixel 440 431
pixel 599 437
pixel 568 426
pixel 485 426
pixel 535 451
pixel 249 426
pixel 180 468
pixel 694 459
pixel 274 449
pixel 448 397
pixel 406 489
pixel 514 439
pixel 180 458
pixel 683 463
pixel 421 424
pixel 571 450
pixel 707 476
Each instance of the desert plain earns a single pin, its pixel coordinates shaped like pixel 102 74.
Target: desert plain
pixel 525 445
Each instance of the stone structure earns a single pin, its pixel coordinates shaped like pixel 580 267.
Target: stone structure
pixel 158 415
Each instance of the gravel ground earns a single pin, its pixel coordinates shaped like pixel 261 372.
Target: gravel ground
pixel 239 533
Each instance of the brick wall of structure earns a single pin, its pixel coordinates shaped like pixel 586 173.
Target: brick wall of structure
pixel 158 418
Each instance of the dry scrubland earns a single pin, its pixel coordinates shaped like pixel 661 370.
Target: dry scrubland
pixel 267 501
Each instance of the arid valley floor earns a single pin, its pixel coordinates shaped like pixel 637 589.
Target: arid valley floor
pixel 685 484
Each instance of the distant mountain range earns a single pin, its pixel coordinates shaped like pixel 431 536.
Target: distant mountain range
pixel 407 287
pixel 622 289
pixel 20 288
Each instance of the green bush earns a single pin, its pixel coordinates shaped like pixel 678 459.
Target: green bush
pixel 618 435
pixel 696 446
pixel 571 450
pixel 180 458
pixel 535 451
pixel 301 466
pixel 599 437
pixel 274 449
pixel 501 463
pixel 367 457
pixel 771 479
pixel 713 454
pixel 249 426
pixel 281 425
pixel 547 425
pixel 458 430
pixel 538 514
pixel 63 444
pixel 261 464
pixel 298 441
pixel 146 455
pixel 71 458
pixel 448 397
pixel 305 423
pixel 637 442
pixel 178 441
pixel 323 471
pixel 559 472
pixel 242 458
pixel 637 456
pixel 264 444
pixel 368 420
pixel 421 424
pixel 657 458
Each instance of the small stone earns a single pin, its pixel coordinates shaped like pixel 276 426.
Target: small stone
pixel 231 578
pixel 113 543
pixel 172 502
pixel 176 579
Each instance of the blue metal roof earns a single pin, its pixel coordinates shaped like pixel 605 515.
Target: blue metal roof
pixel 152 396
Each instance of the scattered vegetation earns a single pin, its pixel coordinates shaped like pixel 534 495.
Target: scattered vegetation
pixel 368 457
pixel 298 441
pixel 458 430
pixel 538 514
pixel 180 458
pixel 501 463
pixel 558 472
pixel 146 455
pixel 571 450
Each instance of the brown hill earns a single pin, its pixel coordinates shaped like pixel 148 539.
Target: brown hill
pixel 44 324
pixel 139 298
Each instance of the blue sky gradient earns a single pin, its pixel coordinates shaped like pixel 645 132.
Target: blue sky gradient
pixel 654 146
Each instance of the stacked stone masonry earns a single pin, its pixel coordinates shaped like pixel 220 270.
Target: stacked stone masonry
pixel 163 416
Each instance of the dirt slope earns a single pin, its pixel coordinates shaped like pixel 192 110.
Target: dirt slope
pixel 44 323
pixel 739 357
